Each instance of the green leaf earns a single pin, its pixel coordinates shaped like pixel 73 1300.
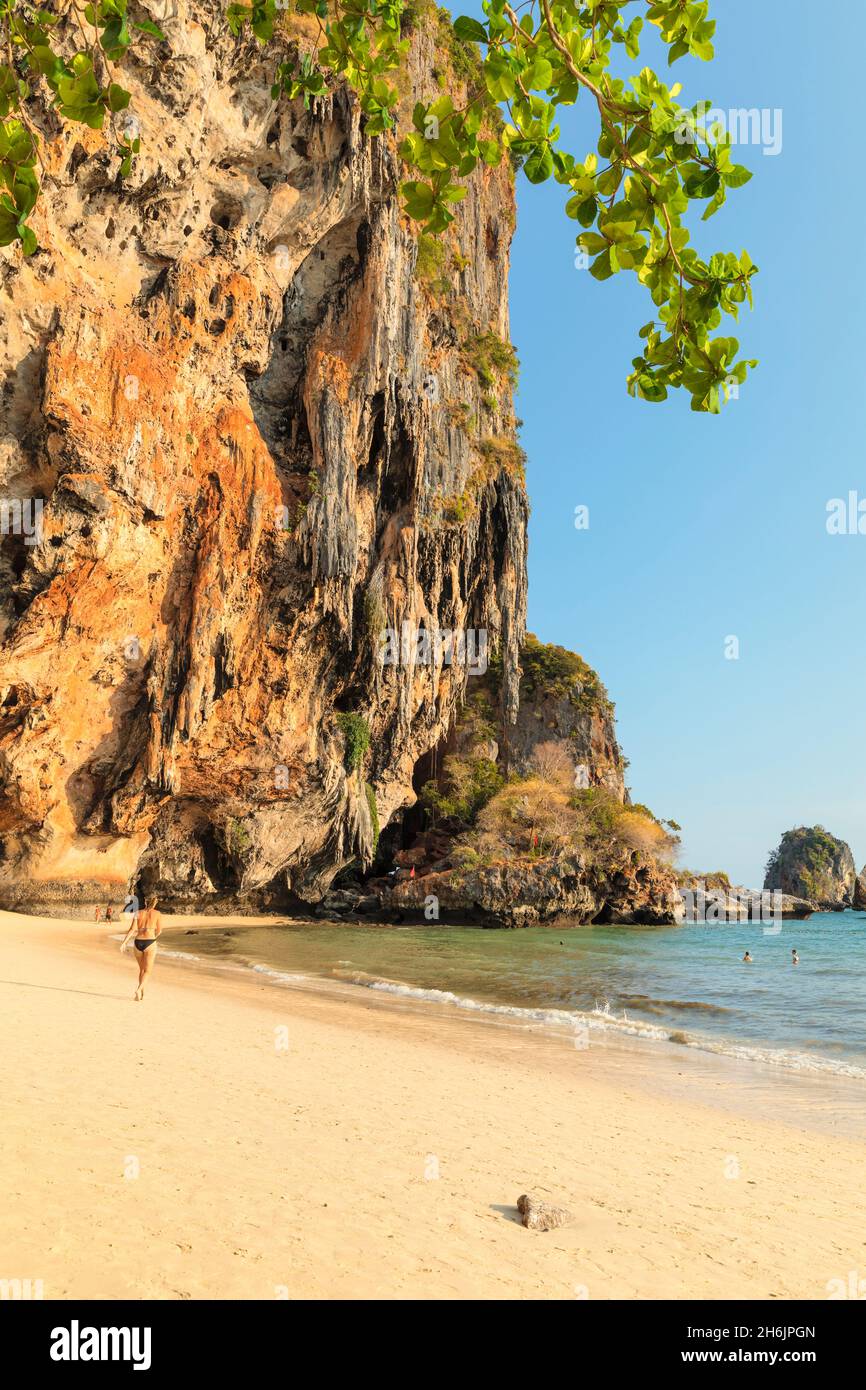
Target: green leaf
pixel 115 38
pixel 419 199
pixel 147 26
pixel 118 98
pixel 737 176
pixel 538 76
pixel 28 238
pixel 601 269
pixel 587 212
pixel 591 243
pixel 539 165
pixel 499 77
pixel 8 223
pixel 469 30
pixel 714 206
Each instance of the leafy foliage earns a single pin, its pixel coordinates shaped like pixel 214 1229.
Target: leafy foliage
pixel 491 359
pixel 555 671
pixel 468 783
pixel 542 815
pixel 356 732
pixel 237 838
pixel 654 159
pixel 374 815
pixel 80 87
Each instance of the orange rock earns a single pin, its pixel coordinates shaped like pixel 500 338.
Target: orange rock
pixel 215 389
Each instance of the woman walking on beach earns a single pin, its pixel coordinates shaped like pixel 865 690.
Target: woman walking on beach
pixel 147 927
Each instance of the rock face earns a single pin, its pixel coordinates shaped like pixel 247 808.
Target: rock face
pixel 811 863
pixel 635 888
pixel 859 902
pixel 562 700
pixel 571 709
pixel 218 381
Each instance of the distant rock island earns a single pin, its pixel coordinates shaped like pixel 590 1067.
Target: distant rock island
pixel 811 863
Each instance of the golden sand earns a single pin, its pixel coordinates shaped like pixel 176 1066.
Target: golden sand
pixel 232 1139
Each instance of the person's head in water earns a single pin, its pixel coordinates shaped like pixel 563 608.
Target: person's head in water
pixel 747 957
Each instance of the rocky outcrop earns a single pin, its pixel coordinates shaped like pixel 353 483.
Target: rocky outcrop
pixel 562 699
pixel 630 887
pixel 811 863
pixel 218 382
pixel 715 899
pixel 482 861
pixel 859 903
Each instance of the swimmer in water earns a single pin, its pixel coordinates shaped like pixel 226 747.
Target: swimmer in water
pixel 795 959
pixel 747 958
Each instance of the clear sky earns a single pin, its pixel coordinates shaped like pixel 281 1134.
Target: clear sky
pixel 707 527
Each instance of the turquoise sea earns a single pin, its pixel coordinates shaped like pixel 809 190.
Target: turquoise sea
pixel 684 984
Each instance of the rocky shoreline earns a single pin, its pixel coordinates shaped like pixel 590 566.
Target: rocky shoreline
pixel 637 889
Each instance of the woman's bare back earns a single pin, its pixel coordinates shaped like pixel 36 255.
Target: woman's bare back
pixel 149 924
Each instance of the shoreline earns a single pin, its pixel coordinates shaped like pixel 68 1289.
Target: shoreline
pixel 599 1025
pixel 379 1152
pixel 823 1102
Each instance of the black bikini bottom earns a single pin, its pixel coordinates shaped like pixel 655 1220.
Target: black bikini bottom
pixel 141 944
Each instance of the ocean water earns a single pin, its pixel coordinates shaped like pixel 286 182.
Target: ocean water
pixel 683 984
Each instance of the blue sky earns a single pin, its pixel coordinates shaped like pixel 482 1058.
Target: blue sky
pixel 705 527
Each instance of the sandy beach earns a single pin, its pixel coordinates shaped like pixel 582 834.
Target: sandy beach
pixel 231 1139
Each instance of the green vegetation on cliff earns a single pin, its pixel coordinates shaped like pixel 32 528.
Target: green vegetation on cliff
pixel 549 670
pixel 496 454
pixel 464 789
pixel 374 815
pixel 540 814
pixel 543 815
pixel 718 879
pixel 493 361
pixel 356 732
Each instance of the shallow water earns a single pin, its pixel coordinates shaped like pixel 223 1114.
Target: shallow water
pixel 686 984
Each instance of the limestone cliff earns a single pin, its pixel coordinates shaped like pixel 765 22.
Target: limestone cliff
pixel 263 431
pixel 812 864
